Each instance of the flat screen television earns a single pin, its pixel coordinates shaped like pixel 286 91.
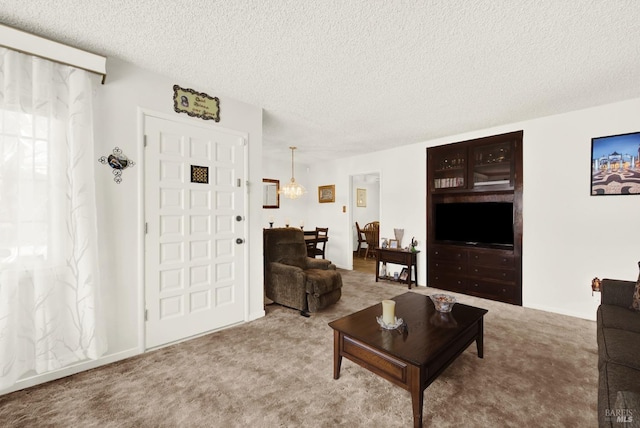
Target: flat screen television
pixel 474 223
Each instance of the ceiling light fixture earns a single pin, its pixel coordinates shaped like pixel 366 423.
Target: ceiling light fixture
pixel 292 190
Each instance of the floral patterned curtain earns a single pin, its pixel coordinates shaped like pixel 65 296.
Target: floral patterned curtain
pixel 49 280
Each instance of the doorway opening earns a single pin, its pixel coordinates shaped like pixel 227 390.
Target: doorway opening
pixel 365 209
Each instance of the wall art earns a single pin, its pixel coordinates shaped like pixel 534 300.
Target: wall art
pixel 196 104
pixel 327 193
pixel 361 197
pixel 118 162
pixel 615 165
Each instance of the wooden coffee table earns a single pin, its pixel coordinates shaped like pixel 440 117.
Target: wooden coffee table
pixel 414 355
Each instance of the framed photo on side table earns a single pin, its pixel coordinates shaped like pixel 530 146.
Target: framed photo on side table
pixel 404 274
pixel 393 243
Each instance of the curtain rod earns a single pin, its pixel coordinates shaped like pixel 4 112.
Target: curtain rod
pixel 31 44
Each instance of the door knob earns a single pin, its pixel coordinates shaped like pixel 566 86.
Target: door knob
pixel 239 241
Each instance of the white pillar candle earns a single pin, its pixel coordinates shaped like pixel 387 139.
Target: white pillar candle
pixel 389 312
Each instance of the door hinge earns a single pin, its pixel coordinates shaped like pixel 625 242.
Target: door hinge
pixel 146 314
pixel 146 228
pixel 239 183
pixel 145 140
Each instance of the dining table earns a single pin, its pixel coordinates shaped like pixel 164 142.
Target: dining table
pixel 312 239
pixel 311 236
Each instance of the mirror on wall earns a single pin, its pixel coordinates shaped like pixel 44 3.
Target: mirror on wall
pixel 270 195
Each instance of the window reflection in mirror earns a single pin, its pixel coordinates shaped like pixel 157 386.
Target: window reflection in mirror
pixel 270 195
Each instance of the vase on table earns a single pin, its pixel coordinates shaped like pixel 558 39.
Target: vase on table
pixel 399 234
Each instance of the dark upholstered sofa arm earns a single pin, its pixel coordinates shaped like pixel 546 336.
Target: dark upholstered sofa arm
pixel 617 292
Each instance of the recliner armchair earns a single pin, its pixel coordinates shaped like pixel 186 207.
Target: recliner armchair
pixel 292 278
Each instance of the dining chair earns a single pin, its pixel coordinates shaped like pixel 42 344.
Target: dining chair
pixel 311 239
pixel 361 238
pixel 317 247
pixel 372 234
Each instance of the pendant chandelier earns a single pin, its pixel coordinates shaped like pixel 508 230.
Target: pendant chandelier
pixel 292 190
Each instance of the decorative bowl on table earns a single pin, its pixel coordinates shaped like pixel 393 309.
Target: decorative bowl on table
pixel 443 302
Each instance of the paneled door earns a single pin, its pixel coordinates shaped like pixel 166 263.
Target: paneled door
pixel 194 242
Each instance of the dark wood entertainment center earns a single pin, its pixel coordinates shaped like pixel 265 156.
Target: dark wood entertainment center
pixel 482 170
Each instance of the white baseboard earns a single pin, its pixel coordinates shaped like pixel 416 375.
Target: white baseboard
pixel 587 316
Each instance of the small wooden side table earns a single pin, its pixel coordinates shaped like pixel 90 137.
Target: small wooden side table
pixel 402 257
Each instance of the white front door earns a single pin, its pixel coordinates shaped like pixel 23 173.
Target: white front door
pixel 194 242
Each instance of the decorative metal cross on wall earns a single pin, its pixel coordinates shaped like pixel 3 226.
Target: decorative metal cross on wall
pixel 118 161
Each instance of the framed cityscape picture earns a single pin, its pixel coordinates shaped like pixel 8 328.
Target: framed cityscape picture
pixel 615 165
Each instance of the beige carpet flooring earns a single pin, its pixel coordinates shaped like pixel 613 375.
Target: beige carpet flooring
pixel 539 369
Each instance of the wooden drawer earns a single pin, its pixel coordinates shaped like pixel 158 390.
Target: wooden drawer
pixel 447 281
pixel 398 257
pixel 384 365
pixel 448 253
pixel 482 272
pixel 450 267
pixel 493 290
pixel 495 259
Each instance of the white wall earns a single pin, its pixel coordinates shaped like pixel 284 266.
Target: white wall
pixel 401 203
pixel 120 206
pixel 569 237
pixel 294 210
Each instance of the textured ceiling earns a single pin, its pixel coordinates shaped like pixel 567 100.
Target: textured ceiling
pixel 343 77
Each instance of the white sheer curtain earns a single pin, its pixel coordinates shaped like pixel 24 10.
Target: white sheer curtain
pixel 49 280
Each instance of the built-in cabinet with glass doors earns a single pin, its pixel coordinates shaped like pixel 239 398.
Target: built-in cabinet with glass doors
pixel 484 171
